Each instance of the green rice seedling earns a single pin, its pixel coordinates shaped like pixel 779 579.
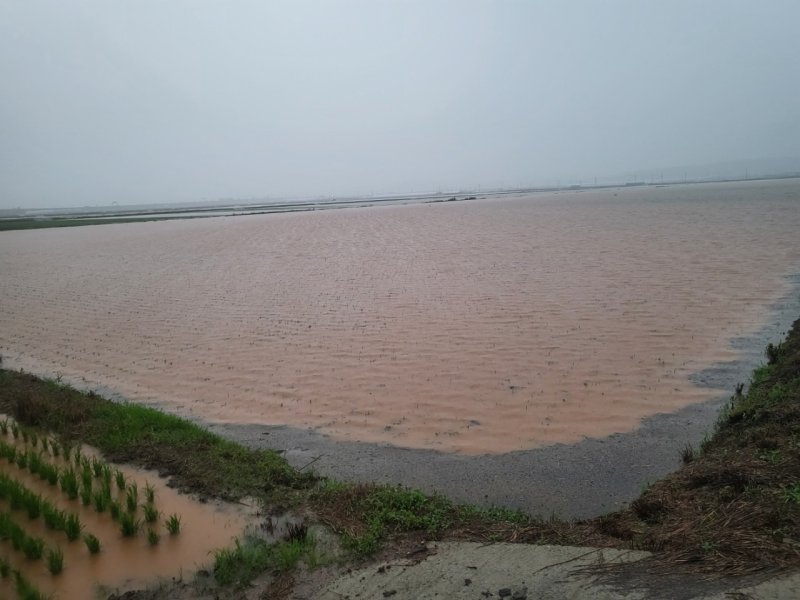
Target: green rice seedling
pixel 66 450
pixel 50 473
pixel 149 493
pixel 17 536
pixel 33 505
pixel 53 518
pixel 24 433
pixel 15 430
pixel 72 527
pixel 87 477
pixel 153 537
pixel 4 426
pixel 45 444
pixel 106 476
pixel 85 463
pixel 33 547
pixel 55 448
pixel 34 439
pixel 16 497
pixel 151 514
pixel 173 524
pixel 115 509
pixel 129 524
pixel 35 462
pixel 92 543
pixel 86 495
pixel 55 560
pixel 25 589
pixel 132 497
pixel 100 501
pixel 97 467
pixel 22 459
pixel 69 483
pixel 120 479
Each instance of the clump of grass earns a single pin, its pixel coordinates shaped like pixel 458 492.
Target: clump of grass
pixel 173 524
pixel 15 430
pixel 115 509
pixel 86 495
pixel 246 559
pixel 153 537
pixel 92 543
pixel 4 426
pixel 241 562
pixel 119 477
pixel 5 567
pixel 55 560
pixel 687 454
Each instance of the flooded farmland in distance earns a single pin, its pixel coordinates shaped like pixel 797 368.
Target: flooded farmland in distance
pixel 486 326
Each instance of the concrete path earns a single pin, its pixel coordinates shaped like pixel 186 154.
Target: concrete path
pixel 472 571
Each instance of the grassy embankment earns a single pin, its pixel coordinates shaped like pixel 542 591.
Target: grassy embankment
pixel 733 508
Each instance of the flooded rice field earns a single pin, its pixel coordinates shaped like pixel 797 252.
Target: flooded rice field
pixel 124 561
pixel 485 326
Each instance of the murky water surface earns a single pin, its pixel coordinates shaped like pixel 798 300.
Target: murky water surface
pixel 484 326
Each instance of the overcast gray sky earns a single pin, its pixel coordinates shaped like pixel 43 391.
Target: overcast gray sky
pixel 159 101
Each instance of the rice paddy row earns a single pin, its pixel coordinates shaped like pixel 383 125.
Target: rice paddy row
pixel 80 478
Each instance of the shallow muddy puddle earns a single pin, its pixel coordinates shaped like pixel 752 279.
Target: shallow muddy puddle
pixel 488 326
pixel 123 563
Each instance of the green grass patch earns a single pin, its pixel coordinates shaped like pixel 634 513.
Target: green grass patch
pixel 196 459
pixel 237 566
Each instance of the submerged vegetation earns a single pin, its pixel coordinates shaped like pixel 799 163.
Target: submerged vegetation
pixel 732 508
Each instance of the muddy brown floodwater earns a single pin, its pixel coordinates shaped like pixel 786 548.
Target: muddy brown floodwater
pixel 123 563
pixel 476 327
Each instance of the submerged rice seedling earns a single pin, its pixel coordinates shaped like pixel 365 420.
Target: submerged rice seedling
pixel 132 497
pixel 86 495
pixel 72 527
pixel 69 483
pixel 33 547
pixel 129 524
pixel 153 537
pixel 100 501
pixel 55 560
pixel 173 524
pixel 149 493
pixel 92 543
pixel 151 514
pixel 97 467
pixel 115 509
